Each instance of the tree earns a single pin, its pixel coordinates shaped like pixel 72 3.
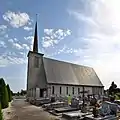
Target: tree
pixel 4 94
pixel 17 93
pixel 1 116
pixel 112 88
pixel 9 93
pixel 23 92
pixel 12 93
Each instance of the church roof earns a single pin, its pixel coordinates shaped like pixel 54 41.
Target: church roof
pixel 59 72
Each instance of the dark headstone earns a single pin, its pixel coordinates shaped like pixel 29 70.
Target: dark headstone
pixel 52 99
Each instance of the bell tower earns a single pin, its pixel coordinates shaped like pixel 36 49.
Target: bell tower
pixel 36 80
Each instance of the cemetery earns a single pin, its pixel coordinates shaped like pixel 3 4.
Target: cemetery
pixel 81 108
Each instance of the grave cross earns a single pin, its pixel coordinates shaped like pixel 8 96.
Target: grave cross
pixel 83 96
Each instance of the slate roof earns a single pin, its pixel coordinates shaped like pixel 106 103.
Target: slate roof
pixel 59 72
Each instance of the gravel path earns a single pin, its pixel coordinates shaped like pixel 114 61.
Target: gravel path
pixel 21 110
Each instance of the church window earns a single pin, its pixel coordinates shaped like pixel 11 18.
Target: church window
pixel 78 90
pixel 36 62
pixel 52 89
pixel 32 92
pixel 60 90
pixel 67 90
pixel 73 90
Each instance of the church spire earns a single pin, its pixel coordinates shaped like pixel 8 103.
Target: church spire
pixel 35 44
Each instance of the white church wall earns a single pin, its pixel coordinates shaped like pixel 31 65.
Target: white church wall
pixel 89 89
pixel 48 90
pixel 70 90
pixel 37 92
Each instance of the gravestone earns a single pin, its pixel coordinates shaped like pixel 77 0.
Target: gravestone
pixel 75 103
pixel 105 109
pixel 93 101
pixel 113 108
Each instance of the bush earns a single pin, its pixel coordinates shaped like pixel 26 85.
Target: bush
pixel 4 94
pixel 117 96
pixel 1 116
pixel 9 93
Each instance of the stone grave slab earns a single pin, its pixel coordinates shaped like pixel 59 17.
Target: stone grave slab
pixel 110 117
pixel 42 101
pixel 54 113
pixel 74 115
pixel 55 105
pixel 65 109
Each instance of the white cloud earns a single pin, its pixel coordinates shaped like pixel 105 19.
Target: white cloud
pixel 64 49
pixel 3 62
pixel 21 46
pixel 68 32
pixel 21 53
pixel 31 47
pixel 2 44
pixel 48 31
pixel 15 39
pixel 29 39
pixel 16 19
pixel 101 21
pixel 6 36
pixel 16 60
pixel 26 46
pixel 28 28
pixel 17 46
pixel 6 60
pixel 3 27
pixel 53 36
pixel 11 40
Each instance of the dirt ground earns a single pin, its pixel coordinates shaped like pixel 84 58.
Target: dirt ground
pixel 21 110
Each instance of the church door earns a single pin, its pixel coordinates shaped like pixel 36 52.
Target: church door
pixel 41 92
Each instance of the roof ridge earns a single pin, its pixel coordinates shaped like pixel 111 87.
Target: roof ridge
pixel 67 62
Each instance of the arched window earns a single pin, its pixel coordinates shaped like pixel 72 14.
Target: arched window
pixel 67 90
pixel 60 89
pixel 73 90
pixel 53 90
pixel 78 90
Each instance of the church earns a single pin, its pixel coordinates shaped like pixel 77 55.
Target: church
pixel 46 77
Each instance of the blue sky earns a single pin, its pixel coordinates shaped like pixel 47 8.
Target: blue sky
pixel 86 32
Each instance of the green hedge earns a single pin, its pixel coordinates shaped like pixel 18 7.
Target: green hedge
pixel 9 93
pixel 1 116
pixel 4 94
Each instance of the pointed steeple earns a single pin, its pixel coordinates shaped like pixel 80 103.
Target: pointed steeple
pixel 35 44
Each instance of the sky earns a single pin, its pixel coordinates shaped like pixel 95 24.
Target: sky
pixel 86 32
